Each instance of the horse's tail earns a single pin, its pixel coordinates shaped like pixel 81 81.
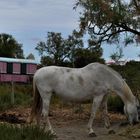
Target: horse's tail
pixel 37 103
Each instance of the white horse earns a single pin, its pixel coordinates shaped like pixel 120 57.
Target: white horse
pixel 93 81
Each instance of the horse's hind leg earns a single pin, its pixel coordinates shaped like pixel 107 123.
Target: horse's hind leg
pixel 46 98
pixel 33 117
pixel 96 103
pixel 45 111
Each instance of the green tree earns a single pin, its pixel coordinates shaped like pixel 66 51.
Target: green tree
pixel 54 49
pixel 84 56
pixel 30 56
pixel 47 60
pixel 116 56
pixel 73 42
pixel 9 47
pixel 106 20
pixel 68 52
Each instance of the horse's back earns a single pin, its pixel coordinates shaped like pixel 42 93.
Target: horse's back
pixel 92 72
pixel 45 71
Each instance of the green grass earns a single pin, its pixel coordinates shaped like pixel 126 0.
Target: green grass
pixel 9 132
pixel 22 96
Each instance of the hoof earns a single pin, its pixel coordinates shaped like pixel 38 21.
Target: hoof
pixel 52 133
pixel 92 134
pixel 111 132
pixel 136 122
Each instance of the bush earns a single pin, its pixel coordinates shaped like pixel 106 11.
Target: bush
pixel 115 104
pixel 9 132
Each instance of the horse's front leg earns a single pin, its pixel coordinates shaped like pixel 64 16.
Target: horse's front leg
pixel 96 103
pixel 105 116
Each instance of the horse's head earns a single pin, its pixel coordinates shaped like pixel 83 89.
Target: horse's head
pixel 132 111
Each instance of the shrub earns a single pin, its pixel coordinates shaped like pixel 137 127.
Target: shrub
pixel 115 104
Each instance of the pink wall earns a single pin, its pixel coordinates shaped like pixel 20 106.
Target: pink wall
pixel 3 67
pixel 16 75
pixel 14 78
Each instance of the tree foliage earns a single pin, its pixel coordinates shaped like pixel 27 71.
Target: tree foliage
pixel 68 52
pixel 30 56
pixel 9 47
pixel 116 56
pixel 73 42
pixel 54 49
pixel 84 56
pixel 105 20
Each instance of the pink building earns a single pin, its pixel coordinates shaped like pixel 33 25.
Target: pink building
pixel 16 70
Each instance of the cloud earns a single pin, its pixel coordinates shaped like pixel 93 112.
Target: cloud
pixel 27 14
pixel 35 39
pixel 30 20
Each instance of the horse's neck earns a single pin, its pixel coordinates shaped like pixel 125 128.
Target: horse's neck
pixel 127 95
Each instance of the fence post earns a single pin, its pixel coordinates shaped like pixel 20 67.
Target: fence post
pixel 12 94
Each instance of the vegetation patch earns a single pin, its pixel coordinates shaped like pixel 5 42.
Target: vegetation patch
pixel 22 96
pixel 131 131
pixel 10 132
pixel 115 104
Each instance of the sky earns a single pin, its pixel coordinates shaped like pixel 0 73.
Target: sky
pixel 28 21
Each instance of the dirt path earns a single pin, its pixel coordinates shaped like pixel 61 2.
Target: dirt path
pixel 70 126
pixel 77 130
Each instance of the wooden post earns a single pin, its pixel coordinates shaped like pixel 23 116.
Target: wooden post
pixel 12 94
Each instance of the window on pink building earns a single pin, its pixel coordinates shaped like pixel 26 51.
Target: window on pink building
pixel 3 67
pixel 31 68
pixel 16 68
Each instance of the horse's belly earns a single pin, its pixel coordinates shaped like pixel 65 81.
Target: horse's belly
pixel 75 95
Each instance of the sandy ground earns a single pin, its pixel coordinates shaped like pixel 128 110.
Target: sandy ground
pixel 73 126
pixel 77 130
